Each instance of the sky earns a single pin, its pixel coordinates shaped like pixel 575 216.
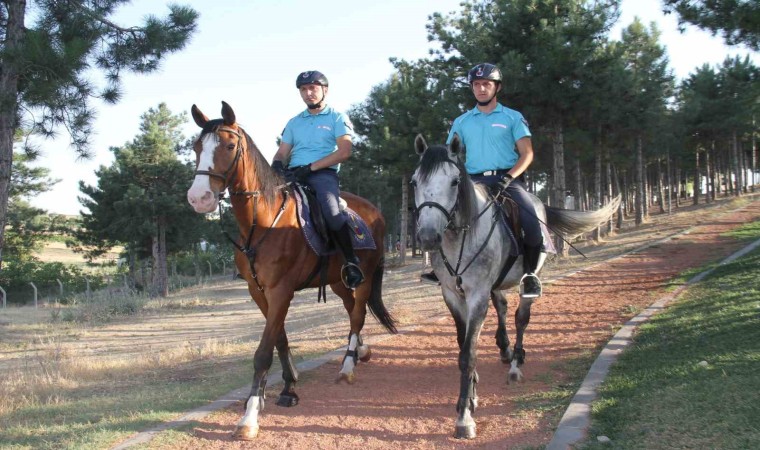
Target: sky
pixel 249 53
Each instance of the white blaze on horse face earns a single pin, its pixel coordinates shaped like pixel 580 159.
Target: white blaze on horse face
pixel 200 196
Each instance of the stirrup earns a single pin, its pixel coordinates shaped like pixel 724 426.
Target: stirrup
pixel 533 280
pixel 344 275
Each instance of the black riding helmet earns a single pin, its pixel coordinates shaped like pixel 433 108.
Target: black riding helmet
pixel 311 77
pixel 484 71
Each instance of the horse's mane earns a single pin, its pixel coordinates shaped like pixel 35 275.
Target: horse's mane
pixel 266 178
pixel 432 160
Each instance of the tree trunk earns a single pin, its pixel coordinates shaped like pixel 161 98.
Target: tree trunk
pixel 404 218
pixel 620 208
pixel 754 156
pixel 558 176
pixel 709 171
pixel 678 182
pixel 737 165
pixel 697 180
pixel 597 198
pixel 639 182
pixel 579 204
pixel 160 267
pixel 660 190
pixel 669 181
pixel 14 35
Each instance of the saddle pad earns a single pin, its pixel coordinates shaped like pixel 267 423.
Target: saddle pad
pixel 361 237
pixel 515 248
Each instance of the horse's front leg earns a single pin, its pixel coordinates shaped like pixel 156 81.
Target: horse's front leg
pixel 522 318
pixel 248 426
pixel 502 339
pixel 477 305
pixel 288 396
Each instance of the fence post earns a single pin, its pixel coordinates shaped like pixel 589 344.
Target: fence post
pixel 126 285
pixel 209 269
pixel 87 292
pixel 3 291
pixel 35 294
pixel 60 287
pixel 224 267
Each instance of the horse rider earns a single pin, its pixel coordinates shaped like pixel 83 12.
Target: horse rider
pixel 498 151
pixel 313 144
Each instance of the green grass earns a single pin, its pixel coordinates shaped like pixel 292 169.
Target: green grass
pixel 691 378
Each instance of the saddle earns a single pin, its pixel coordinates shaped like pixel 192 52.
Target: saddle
pixel 511 221
pixel 314 227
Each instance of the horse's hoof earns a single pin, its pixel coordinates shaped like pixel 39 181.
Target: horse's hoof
pixel 465 431
pixel 514 377
pixel 287 400
pixel 246 433
pixel 367 356
pixel 349 378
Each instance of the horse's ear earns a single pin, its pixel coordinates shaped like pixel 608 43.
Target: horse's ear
pixel 199 118
pixel 228 114
pixel 455 147
pixel 420 145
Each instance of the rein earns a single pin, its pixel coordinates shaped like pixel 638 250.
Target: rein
pixel 450 216
pixel 248 250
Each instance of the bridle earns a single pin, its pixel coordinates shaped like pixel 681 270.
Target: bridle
pixel 450 214
pixel 233 165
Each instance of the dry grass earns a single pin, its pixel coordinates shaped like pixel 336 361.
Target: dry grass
pixel 55 251
pixel 56 367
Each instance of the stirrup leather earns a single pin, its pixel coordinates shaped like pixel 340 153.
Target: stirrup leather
pixel 538 283
pixel 344 274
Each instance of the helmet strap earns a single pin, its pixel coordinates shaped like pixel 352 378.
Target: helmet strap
pixel 319 103
pixel 486 103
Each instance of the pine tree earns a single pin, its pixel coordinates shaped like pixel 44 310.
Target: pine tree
pixel 43 67
pixel 139 201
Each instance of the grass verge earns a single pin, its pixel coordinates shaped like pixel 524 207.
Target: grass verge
pixel 690 378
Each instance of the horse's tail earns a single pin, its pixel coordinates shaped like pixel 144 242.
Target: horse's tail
pixel 571 223
pixel 375 302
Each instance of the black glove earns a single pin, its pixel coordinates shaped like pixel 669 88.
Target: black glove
pixel 302 172
pixel 279 168
pixel 506 180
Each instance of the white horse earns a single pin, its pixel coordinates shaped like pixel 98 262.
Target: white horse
pixel 473 258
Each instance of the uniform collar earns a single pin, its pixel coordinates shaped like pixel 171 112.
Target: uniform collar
pixel 499 108
pixel 325 110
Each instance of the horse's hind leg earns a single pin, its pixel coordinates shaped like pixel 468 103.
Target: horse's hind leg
pixel 355 303
pixel 502 339
pixel 288 396
pixel 522 318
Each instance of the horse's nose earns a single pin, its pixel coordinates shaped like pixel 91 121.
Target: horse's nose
pixel 201 202
pixel 429 238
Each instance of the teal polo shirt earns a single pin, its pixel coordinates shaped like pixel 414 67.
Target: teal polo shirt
pixel 490 138
pixel 313 135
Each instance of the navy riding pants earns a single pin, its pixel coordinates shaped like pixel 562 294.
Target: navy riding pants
pixel 519 193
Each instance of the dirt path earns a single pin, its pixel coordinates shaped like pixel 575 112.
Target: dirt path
pixel 405 397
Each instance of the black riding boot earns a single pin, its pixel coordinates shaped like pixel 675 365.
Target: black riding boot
pixel 530 283
pixel 353 275
pixel 430 278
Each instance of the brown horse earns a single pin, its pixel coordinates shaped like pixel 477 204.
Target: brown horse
pixel 274 257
